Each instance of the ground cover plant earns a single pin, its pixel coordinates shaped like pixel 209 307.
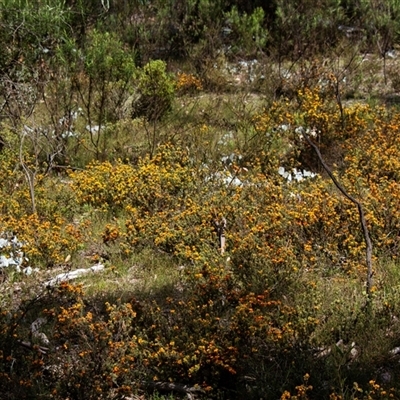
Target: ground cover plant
pixel 177 157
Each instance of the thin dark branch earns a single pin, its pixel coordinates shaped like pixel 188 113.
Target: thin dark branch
pixel 363 222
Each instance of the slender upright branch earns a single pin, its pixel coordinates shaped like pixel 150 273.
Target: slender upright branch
pixel 30 176
pixel 364 226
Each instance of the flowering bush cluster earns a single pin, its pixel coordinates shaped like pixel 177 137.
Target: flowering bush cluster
pixel 250 304
pixel 187 83
pixel 47 236
pixel 276 232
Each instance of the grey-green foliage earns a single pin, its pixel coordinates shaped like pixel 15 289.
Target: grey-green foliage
pixel 306 27
pixel 248 30
pixel 381 20
pixel 95 77
pixel 30 32
pixel 107 70
pixel 31 29
pixel 106 59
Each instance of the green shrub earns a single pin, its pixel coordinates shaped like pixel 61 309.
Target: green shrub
pixel 156 91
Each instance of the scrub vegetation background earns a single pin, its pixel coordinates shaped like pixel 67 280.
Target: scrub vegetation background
pixel 130 131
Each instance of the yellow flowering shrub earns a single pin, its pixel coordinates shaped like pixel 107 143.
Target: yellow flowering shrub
pixel 187 83
pixel 48 235
pixel 237 320
pixel 147 186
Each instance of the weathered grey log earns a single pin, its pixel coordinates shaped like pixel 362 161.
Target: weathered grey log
pixel 67 276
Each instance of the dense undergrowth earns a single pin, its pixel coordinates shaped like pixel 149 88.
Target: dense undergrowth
pixel 110 156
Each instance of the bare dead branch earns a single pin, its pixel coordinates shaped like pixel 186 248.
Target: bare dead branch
pixel 30 346
pixel 363 222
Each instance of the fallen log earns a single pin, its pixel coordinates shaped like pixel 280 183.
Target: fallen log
pixel 67 276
